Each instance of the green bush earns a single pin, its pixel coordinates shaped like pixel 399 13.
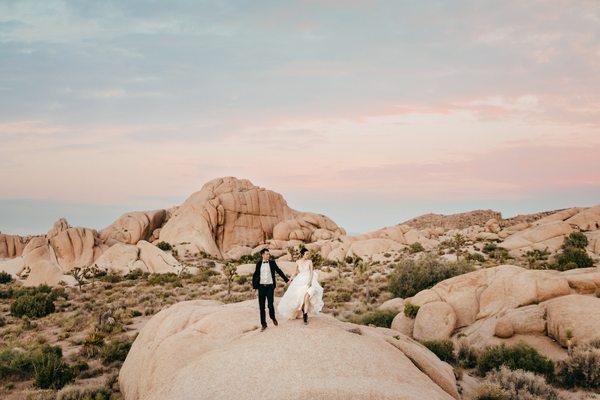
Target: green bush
pixel 111 278
pixel 5 277
pixel 84 393
pixel 115 350
pixel 416 247
pixel 444 349
pixel 33 306
pixel 520 356
pixel 466 356
pixel 161 279
pixel 51 372
pixel 134 274
pixel 582 367
pixel 44 364
pixel 507 384
pixel 577 240
pixel 381 318
pixel 412 276
pixel 411 310
pixel 475 257
pixel 164 246
pixel 242 279
pixel 574 257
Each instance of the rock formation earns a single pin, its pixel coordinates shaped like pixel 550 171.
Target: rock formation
pixel 454 221
pixel 500 302
pixel 207 350
pixel 12 246
pixel 227 212
pixel 132 227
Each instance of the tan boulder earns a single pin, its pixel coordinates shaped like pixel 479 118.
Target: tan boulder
pixel 75 247
pixel 45 272
pixel 523 320
pixel 229 211
pixel 120 258
pixel 594 242
pixel 434 321
pixel 439 372
pixel 307 227
pixel 12 246
pixel 586 220
pixel 396 304
pixel 12 266
pixel 576 315
pixel 536 234
pixel 156 260
pixel 237 252
pixel 403 324
pixel 133 226
pixel 203 350
pixel 424 297
pixel 371 247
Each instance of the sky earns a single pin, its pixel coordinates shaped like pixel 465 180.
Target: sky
pixel 370 112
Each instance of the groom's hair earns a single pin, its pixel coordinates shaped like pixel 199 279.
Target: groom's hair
pixel 263 251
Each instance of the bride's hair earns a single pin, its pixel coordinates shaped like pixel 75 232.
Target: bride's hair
pixel 303 250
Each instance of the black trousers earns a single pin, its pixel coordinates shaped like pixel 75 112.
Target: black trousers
pixel 266 292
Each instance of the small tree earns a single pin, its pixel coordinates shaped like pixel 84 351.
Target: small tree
pixel 457 243
pixel 230 271
pixel 361 268
pixel 83 274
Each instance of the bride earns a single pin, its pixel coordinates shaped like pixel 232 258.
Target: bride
pixel 304 293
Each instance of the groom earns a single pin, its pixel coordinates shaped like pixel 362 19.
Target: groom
pixel 264 280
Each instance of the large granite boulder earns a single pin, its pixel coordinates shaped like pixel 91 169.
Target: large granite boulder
pixel 132 227
pixel 227 212
pixel 208 350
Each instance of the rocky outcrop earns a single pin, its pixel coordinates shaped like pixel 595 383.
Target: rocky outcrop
pixel 122 258
pixel 227 212
pixel 12 246
pixel 73 247
pixel 454 221
pixel 132 227
pixel 208 350
pixel 505 301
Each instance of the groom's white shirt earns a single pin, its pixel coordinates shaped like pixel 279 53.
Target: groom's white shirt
pixel 265 274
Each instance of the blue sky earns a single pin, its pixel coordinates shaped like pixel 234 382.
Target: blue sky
pixel 371 112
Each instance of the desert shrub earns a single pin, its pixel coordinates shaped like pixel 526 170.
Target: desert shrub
pixel 466 355
pixel 416 247
pixel 115 350
pixel 412 276
pixel 51 372
pixel 475 257
pixel 340 295
pixel 92 343
pixel 134 274
pixel 381 318
pixel 242 279
pixel 517 385
pixel 520 356
pixel 83 393
pixel 15 364
pixel 411 310
pixel 576 240
pixel 536 255
pixel 161 279
pixel 443 349
pixel 5 277
pixel 573 257
pixel 489 247
pixel 582 366
pixel 33 306
pixel 39 394
pixel 111 278
pixel 165 246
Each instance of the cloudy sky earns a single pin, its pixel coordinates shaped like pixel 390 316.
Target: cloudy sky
pixel 370 112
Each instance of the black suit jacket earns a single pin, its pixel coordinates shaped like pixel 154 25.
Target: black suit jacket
pixel 274 268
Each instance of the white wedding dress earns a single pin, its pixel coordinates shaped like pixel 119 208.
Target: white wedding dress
pixel 290 304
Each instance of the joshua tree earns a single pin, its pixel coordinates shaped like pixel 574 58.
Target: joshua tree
pixel 457 243
pixel 230 271
pixel 83 274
